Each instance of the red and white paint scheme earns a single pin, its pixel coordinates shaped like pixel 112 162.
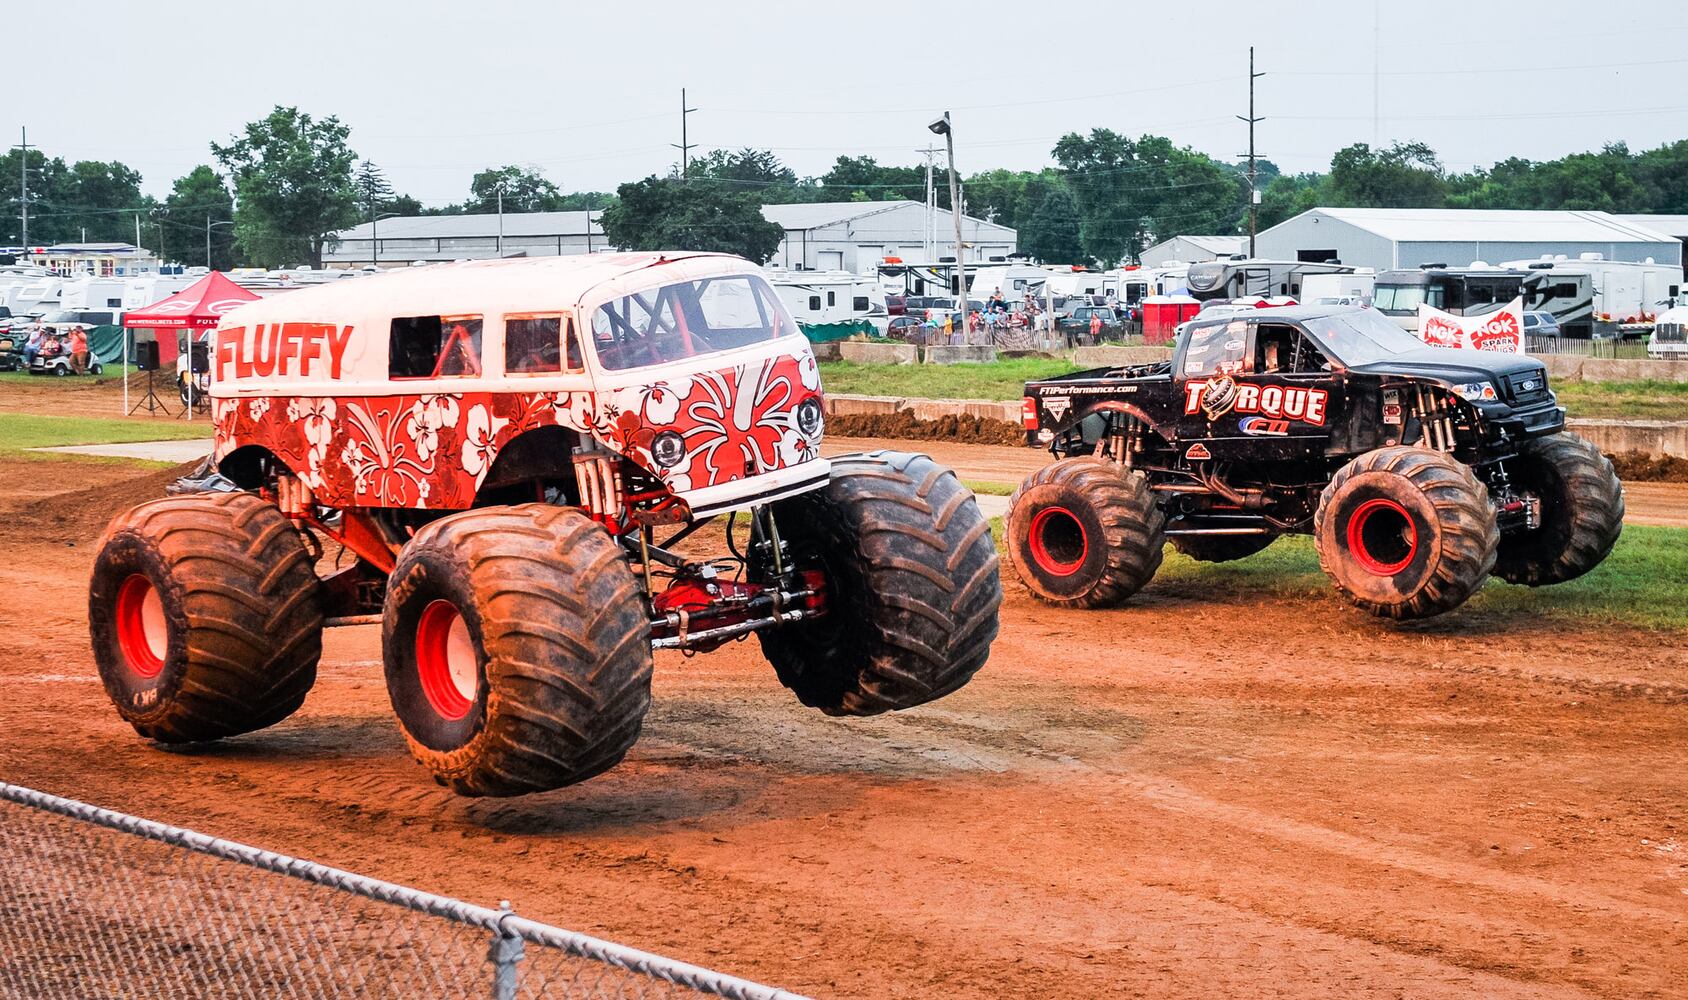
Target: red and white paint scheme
pixel 402 389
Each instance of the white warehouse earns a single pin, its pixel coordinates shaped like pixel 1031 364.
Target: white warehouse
pixel 822 236
pixel 1387 238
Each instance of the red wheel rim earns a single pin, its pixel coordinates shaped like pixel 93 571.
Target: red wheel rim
pixel 1382 537
pixel 1058 541
pixel 143 633
pixel 446 663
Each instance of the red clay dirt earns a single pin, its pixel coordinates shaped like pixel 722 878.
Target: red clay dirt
pixel 1188 797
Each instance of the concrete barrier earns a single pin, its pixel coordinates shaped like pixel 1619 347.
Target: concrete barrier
pixel 987 409
pixel 1099 357
pixel 865 353
pixel 1576 368
pixel 946 354
pixel 827 351
pixel 838 405
pixel 1649 437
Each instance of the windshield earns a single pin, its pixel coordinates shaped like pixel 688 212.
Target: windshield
pixel 1398 298
pixel 688 319
pixel 1361 336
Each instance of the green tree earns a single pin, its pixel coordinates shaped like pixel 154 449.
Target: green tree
pixel 853 176
pixel 1131 192
pixel 1406 175
pixel 1289 195
pixel 98 199
pixel 524 191
pixel 374 191
pixel 666 213
pixel 196 198
pixel 293 183
pixel 1050 232
pixel 756 172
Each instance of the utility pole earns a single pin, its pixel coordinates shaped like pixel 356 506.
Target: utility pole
pixel 1376 74
pixel 1253 192
pixel 930 153
pixel 501 218
pixel 23 186
pixel 683 145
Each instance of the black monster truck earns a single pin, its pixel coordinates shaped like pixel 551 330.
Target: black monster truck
pixel 1417 470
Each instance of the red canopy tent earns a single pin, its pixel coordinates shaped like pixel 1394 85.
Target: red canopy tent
pixel 197 307
pixel 200 306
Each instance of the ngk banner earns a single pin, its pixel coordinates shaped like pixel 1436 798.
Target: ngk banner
pixel 1501 331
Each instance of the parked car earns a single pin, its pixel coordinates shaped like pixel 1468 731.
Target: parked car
pixel 907 328
pixel 1077 323
pixel 61 321
pixel 896 305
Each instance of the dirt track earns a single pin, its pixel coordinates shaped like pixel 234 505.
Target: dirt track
pixel 1184 798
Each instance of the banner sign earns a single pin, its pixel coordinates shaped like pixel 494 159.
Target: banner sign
pixel 1501 331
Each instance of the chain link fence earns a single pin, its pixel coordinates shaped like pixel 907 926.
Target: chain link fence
pixel 99 904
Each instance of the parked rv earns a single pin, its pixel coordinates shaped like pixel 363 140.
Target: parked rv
pixel 1592 296
pixel 840 301
pixel 1463 291
pixel 1239 278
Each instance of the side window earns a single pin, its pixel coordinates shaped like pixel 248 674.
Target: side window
pixel 814 303
pixel 533 344
pixel 1282 350
pixel 434 347
pixel 831 298
pixel 572 346
pixel 860 304
pixel 1216 349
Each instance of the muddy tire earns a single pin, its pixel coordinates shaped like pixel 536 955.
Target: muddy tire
pixel 1084 533
pixel 1406 532
pixel 1582 512
pixel 205 617
pixel 516 648
pixel 913 587
pixel 1221 548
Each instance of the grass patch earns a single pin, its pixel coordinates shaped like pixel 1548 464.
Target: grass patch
pixel 1649 399
pixel 1638 585
pixel 20 432
pixel 111 372
pixel 986 487
pixel 994 380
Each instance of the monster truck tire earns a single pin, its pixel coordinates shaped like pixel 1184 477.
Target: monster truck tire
pixel 204 616
pixel 1582 512
pixel 1406 532
pixel 1084 533
pixel 517 650
pixel 913 588
pixel 1221 548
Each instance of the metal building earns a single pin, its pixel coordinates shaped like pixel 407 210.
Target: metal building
pixel 1189 249
pixel 821 236
pixel 1386 238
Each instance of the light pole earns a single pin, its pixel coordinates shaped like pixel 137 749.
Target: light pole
pixel 209 225
pixel 375 240
pixel 942 127
pixel 501 219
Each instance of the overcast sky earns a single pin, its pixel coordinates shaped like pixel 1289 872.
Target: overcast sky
pixel 590 93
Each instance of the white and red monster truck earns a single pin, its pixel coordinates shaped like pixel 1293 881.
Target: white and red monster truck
pixel 508 453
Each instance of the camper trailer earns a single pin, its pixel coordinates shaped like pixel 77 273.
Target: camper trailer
pixel 1339 289
pixel 1592 296
pixel 1242 278
pixel 832 304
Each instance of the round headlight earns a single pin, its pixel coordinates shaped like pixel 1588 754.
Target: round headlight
pixel 810 417
pixel 667 449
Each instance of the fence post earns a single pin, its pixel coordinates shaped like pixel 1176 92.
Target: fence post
pixel 504 952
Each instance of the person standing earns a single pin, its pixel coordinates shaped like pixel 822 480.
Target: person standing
pixel 79 350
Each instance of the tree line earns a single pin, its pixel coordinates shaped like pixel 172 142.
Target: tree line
pixel 286 183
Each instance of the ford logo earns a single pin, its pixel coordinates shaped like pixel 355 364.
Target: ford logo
pixel 1529 385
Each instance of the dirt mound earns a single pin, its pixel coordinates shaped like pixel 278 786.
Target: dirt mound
pixel 904 424
pixel 1640 467
pixel 81 514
